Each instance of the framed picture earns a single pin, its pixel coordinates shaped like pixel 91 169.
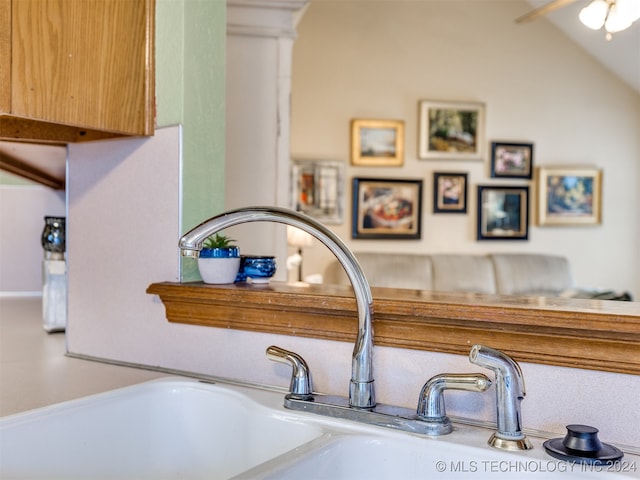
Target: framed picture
pixel 569 196
pixel 511 160
pixel 451 130
pixel 389 209
pixel 317 189
pixel 449 192
pixel 377 143
pixel 503 213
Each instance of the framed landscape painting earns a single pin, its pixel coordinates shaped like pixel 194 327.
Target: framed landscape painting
pixel 569 195
pixel 387 209
pixel 377 143
pixel 451 130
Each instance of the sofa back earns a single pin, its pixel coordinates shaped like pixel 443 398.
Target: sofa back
pixel 392 270
pixel 529 274
pixel 463 273
pixel 506 274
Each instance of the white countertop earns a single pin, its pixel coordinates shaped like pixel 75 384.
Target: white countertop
pixel 34 370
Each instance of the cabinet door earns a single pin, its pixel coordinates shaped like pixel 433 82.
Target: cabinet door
pixel 84 63
pixel 5 55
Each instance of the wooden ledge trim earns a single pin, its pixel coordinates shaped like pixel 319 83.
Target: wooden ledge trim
pixel 589 334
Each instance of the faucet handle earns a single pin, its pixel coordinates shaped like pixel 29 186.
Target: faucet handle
pixel 300 387
pixel 431 406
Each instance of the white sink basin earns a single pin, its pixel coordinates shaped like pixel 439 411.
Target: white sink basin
pixel 392 457
pixel 188 429
pixel 162 429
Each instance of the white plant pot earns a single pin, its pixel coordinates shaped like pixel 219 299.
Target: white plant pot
pixel 219 270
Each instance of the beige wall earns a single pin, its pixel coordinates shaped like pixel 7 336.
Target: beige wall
pixel 378 62
pixel 22 210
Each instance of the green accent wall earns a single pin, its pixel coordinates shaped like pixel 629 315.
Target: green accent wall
pixel 190 90
pixel 169 62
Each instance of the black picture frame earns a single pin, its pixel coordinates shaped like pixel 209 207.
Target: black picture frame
pixel 511 160
pixel 387 209
pixel 503 212
pixel 450 192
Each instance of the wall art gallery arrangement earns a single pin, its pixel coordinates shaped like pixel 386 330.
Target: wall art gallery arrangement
pixel 391 208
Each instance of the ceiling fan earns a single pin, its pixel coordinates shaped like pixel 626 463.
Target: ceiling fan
pixel 543 10
pixel 613 15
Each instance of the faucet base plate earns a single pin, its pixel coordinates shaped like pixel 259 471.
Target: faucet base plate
pixel 381 415
pixel 510 444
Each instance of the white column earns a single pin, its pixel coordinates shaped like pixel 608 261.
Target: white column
pixel 260 36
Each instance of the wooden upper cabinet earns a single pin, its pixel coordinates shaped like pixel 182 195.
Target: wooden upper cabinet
pixel 5 55
pixel 76 70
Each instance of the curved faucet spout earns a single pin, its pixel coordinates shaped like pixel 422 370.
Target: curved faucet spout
pixel 361 389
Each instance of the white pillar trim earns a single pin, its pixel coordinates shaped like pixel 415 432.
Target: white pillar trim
pixel 260 38
pixel 264 18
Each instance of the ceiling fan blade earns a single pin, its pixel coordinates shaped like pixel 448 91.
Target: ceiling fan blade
pixel 543 10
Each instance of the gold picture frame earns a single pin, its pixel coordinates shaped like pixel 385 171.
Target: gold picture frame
pixel 569 195
pixel 377 143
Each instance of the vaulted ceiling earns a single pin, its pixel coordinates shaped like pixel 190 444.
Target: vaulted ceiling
pixel 621 54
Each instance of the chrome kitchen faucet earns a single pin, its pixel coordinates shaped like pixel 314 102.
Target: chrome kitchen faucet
pixel 429 418
pixel 361 388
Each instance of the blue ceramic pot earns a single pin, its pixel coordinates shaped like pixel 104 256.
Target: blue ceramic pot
pixel 219 265
pixel 259 268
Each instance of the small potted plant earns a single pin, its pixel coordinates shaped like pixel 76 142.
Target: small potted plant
pixel 219 260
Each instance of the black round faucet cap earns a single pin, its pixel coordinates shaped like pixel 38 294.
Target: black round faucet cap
pixel 581 445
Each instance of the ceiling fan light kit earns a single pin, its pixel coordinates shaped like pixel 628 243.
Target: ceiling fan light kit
pixel 614 15
pixel 594 14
